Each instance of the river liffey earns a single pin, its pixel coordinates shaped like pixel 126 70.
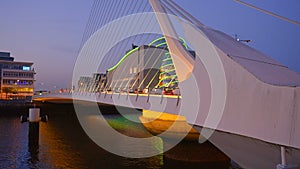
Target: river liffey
pixel 64 144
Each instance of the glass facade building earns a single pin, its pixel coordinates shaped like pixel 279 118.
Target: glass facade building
pixel 145 67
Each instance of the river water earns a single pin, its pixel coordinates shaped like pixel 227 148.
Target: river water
pixel 64 144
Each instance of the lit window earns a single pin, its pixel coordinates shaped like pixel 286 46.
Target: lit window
pixel 26 68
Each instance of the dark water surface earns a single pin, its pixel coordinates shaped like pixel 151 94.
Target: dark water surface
pixel 64 144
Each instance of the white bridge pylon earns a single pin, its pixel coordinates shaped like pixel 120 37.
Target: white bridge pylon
pixel 261 100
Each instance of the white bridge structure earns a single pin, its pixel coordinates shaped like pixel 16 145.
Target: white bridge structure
pixel 251 100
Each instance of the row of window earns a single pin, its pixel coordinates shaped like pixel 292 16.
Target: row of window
pixel 18 74
pixel 17 82
pixel 15 66
pixel 17 90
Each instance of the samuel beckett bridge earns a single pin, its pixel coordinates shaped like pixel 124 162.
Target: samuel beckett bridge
pixel 155 56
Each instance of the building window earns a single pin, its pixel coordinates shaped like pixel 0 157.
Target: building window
pixel 25 68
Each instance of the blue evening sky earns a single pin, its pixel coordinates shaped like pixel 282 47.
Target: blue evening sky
pixel 49 32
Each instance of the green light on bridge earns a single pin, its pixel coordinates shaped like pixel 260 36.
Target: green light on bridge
pixel 123 58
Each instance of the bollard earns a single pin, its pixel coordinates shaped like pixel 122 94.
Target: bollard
pixel 34 115
pixel 34 126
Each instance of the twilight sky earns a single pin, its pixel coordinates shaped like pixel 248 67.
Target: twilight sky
pixel 49 32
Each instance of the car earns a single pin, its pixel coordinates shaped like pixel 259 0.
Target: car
pixel 138 91
pixel 131 90
pixel 156 91
pixel 168 91
pixel 145 91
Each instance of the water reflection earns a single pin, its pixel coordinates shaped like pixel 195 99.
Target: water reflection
pixel 33 142
pixel 13 144
pixel 64 144
pixel 67 142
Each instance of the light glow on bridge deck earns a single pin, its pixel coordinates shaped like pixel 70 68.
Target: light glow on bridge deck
pixel 173 126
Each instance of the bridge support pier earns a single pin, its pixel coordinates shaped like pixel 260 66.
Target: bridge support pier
pixel 172 126
pixel 284 164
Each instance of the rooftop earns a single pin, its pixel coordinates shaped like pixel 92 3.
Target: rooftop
pixel 6 58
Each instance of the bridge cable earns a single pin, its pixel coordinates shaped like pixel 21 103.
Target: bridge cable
pixel 145 5
pixel 118 31
pixel 94 21
pixel 155 62
pixel 137 79
pixel 128 38
pixel 195 21
pixel 89 25
pixel 113 14
pixel 108 60
pixel 118 72
pixel 143 21
pixel 120 13
pixel 106 19
pixel 131 25
pixel 149 58
pixel 268 12
pixel 172 7
pixel 86 27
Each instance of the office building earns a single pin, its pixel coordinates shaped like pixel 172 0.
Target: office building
pixel 17 78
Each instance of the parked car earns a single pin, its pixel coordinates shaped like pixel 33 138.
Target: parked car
pixel 138 91
pixel 168 91
pixel 145 91
pixel 156 91
pixel 131 90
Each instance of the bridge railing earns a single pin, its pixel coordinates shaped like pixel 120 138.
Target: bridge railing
pixel 145 93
